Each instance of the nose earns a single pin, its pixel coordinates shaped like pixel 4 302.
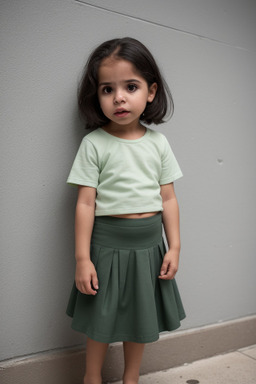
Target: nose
pixel 119 97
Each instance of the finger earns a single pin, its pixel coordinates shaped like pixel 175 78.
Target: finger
pixel 170 274
pixel 81 288
pixel 85 288
pixel 89 289
pixel 95 282
pixel 164 269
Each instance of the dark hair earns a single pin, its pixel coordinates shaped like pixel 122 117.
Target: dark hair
pixel 135 52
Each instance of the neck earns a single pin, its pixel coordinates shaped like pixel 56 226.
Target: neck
pixel 130 131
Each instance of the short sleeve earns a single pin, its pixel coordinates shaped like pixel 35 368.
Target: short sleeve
pixel 170 168
pixel 85 169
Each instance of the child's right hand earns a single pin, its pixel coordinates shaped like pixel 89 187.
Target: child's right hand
pixel 86 277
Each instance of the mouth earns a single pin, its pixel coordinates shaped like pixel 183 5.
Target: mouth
pixel 121 112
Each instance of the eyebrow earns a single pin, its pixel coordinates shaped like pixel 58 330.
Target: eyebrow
pixel 125 81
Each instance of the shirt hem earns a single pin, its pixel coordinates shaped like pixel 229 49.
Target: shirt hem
pixel 171 179
pixel 120 211
pixel 75 183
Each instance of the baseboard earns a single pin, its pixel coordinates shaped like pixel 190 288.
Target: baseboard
pixel 174 349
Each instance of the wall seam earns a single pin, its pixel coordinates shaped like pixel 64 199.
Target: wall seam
pixel 82 2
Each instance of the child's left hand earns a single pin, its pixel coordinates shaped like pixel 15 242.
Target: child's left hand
pixel 170 265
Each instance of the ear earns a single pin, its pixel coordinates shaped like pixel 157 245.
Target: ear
pixel 152 92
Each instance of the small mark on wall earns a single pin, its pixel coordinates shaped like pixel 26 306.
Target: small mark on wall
pixel 220 161
pixel 192 381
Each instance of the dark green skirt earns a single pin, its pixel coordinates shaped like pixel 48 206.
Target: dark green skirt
pixel 132 303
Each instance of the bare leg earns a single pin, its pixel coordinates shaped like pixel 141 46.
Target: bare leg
pixel 95 356
pixel 133 353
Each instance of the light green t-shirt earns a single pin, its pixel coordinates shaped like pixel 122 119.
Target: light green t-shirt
pixel 126 173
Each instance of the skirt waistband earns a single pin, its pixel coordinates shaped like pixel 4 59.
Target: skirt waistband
pixel 122 233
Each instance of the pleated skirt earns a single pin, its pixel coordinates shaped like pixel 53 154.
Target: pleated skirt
pixel 132 303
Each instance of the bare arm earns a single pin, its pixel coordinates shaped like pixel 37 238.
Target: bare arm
pixel 86 276
pixel 172 232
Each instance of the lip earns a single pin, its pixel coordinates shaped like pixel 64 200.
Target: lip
pixel 120 112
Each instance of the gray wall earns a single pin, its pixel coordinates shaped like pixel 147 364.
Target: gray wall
pixel 206 50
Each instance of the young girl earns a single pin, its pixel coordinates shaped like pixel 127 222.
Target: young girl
pixel 124 283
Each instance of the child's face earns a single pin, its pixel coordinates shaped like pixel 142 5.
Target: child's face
pixel 123 93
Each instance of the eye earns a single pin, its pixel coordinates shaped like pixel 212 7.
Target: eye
pixel 132 87
pixel 107 90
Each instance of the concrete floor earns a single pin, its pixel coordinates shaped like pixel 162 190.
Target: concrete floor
pixel 237 367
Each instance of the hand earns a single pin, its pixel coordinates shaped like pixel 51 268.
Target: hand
pixel 170 265
pixel 86 277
